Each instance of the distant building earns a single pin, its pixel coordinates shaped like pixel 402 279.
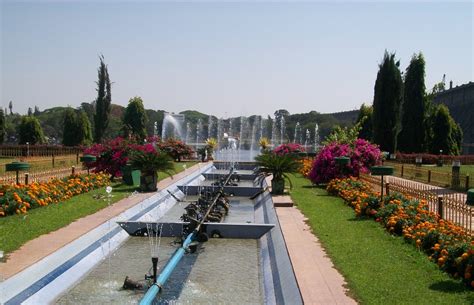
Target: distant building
pixel 460 102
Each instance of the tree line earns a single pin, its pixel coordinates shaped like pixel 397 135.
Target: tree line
pixel 403 117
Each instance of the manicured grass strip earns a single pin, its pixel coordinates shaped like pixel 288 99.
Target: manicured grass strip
pixel 16 230
pixel 379 268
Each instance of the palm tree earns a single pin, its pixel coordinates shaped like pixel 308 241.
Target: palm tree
pixel 278 165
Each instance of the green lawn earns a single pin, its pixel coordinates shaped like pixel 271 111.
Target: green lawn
pixel 379 268
pixel 18 229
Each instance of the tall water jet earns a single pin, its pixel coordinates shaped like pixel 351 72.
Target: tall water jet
pixel 253 145
pixel 188 133
pixel 210 125
pixel 282 130
pixel 199 133
pixel 242 131
pixel 307 139
pixel 172 126
pixel 297 135
pixel 316 137
pixel 274 139
pixel 220 132
pixel 262 123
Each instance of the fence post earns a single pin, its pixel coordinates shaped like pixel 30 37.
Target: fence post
pixel 77 157
pixel 402 171
pixel 27 178
pixel 467 182
pixel 73 170
pixel 52 160
pixel 429 175
pixel 440 207
pixel 387 188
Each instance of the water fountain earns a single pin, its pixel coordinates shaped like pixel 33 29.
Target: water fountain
pixel 282 130
pixel 246 257
pixel 297 135
pixel 316 137
pixel 307 140
pixel 274 135
pixel 210 126
pixel 199 133
pixel 220 133
pixel 188 133
pixel 172 126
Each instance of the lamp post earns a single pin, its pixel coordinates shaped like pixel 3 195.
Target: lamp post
pixel 381 171
pixel 27 149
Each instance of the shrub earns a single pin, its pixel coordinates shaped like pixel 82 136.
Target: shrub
pixel 111 156
pixel 290 148
pixel 362 156
pixel 176 149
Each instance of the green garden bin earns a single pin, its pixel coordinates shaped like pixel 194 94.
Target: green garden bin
pixel 470 197
pixel 130 176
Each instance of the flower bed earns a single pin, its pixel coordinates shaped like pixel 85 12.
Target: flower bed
pixel 18 199
pixel 446 243
pixel 306 165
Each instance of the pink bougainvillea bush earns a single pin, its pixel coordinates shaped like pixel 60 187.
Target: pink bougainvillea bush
pixel 111 156
pixel 289 148
pixel 362 156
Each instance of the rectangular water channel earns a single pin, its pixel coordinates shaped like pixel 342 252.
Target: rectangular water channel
pixel 224 271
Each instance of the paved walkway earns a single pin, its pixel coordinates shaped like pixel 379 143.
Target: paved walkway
pixel 44 245
pixel 318 280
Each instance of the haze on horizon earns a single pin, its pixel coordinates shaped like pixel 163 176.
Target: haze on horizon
pixel 226 59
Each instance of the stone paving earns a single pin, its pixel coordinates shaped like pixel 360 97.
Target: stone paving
pixel 318 280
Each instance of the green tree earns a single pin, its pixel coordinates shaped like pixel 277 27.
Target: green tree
pixel 70 128
pixel 103 101
pixel 412 135
pixel 77 128
pixel 30 130
pixel 135 119
pixel 2 126
pixel 446 134
pixel 387 100
pixel 364 119
pixel 10 105
pixel 84 128
pixel 37 111
pixel 30 111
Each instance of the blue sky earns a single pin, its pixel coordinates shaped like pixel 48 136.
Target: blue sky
pixel 227 59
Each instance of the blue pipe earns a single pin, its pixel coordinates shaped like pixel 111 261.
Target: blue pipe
pixel 150 295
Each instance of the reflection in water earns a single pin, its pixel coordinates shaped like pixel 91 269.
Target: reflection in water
pixel 222 271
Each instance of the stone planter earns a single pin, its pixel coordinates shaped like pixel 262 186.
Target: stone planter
pixel 148 181
pixel 278 186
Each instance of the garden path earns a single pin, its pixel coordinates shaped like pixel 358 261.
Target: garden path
pixel 318 280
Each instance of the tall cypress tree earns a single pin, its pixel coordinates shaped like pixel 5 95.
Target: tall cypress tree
pixel 412 134
pixel 387 99
pixel 2 126
pixel 135 119
pixel 103 101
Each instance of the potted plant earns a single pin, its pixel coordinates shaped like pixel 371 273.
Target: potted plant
pixel 264 144
pixel 202 153
pixel 278 165
pixel 150 160
pixel 211 145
